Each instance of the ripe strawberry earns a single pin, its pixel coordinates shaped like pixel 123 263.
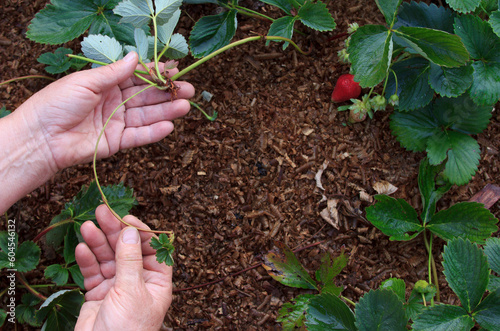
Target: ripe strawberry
pixel 346 89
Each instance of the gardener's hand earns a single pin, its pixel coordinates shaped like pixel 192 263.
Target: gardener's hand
pixel 58 127
pixel 127 288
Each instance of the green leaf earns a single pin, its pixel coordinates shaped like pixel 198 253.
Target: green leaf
pixel 478 37
pixel 463 6
pixel 413 86
pixel 164 9
pixel 284 5
pixel 62 21
pixel 77 276
pixel 60 311
pixel 395 218
pixel 107 23
pixel 166 30
pixel 102 48
pixel 413 129
pixel 56 62
pixel 462 114
pixel 439 47
pixel 492 251
pixel 485 89
pixel 419 14
pixel 22 258
pixel 495 22
pixel 443 318
pixel 316 16
pixel 466 270
pixel 380 310
pixel 70 243
pixel 4 112
pixel 141 44
pixel 427 185
pixel 326 311
pixel 389 8
pixel 282 265
pixel 212 32
pixel 370 51
pixel 397 286
pixel 293 314
pixel 164 249
pixel 178 47
pixel 26 311
pixel 462 152
pixel 466 220
pixel 494 283
pixel 330 267
pixel 450 82
pixel 487 314
pixel 57 273
pixel 135 12
pixel 282 27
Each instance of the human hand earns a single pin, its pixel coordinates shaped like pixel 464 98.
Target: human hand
pixel 127 288
pixel 69 114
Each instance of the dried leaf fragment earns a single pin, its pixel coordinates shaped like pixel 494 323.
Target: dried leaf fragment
pixel 331 213
pixel 384 187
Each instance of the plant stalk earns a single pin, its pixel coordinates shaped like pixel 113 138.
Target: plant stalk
pixel 50 227
pixel 432 270
pixel 30 288
pixel 25 77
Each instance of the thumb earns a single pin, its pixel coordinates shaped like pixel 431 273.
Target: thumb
pixel 115 73
pixel 129 262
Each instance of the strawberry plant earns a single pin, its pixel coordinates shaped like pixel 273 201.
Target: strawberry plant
pixel 63 235
pixel 399 220
pixel 215 31
pixel 443 65
pixel 467 268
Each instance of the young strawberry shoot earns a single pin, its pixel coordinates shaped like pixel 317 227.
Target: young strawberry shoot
pixel 102 50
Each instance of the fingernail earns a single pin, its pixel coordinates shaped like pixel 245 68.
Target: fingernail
pixel 130 236
pixel 128 57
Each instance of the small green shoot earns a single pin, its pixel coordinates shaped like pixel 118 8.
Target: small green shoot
pixel 164 246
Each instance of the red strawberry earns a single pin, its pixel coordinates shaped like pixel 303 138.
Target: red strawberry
pixel 346 89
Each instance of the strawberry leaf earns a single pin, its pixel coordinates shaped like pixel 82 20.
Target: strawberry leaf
pixel 492 251
pixel 380 309
pixel 466 270
pixel 430 192
pixel 370 51
pixel 64 20
pixel 26 311
pixel 487 314
pixel 389 8
pixel 77 276
pixel 450 82
pixel 285 5
pixel 419 14
pixel 26 255
pixel 57 273
pixel 443 317
pixel 414 128
pixel 330 267
pixel 465 219
pixel 326 311
pixel 397 286
pixel 135 12
pixel 4 112
pixel 164 249
pixel 60 311
pixel 212 32
pixel 495 22
pixel 395 218
pixel 164 9
pixel 316 16
pixel 166 30
pixel 484 47
pixel 460 151
pixel 463 6
pixel 178 47
pixel 282 265
pixel 413 86
pixel 293 314
pixel 282 27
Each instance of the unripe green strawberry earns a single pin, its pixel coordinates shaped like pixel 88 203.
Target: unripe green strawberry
pixel 346 89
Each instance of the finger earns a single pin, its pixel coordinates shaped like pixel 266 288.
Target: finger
pixel 103 78
pixel 89 266
pixel 154 96
pixel 129 264
pixel 147 115
pixel 112 227
pixel 97 242
pixel 134 137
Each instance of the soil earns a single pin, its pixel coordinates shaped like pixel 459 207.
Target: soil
pixel 229 188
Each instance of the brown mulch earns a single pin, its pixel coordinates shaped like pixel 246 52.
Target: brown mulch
pixel 229 188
